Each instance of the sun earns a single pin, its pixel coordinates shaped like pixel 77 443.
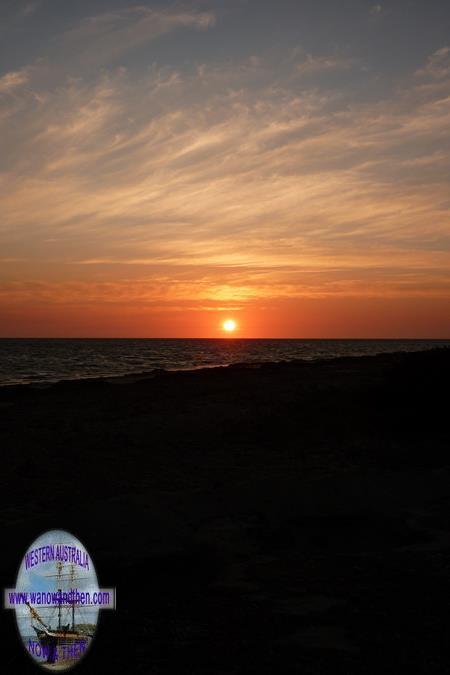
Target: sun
pixel 229 325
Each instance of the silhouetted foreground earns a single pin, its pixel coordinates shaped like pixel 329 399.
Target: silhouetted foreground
pixel 290 518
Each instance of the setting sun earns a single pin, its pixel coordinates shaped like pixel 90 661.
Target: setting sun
pixel 229 325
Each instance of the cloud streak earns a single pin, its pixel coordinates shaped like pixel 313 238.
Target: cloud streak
pixel 12 81
pixel 437 66
pixel 105 37
pixel 322 64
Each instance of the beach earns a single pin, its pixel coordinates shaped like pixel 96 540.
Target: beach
pixel 257 518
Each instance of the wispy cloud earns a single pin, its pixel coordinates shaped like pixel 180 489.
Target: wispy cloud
pixel 11 81
pixel 104 37
pixel 437 66
pixel 319 64
pixel 174 187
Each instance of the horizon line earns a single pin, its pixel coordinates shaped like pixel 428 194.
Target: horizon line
pixel 227 338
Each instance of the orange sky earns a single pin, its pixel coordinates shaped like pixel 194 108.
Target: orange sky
pixel 308 318
pixel 154 184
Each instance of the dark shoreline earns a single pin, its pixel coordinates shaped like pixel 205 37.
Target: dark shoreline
pixel 279 518
pixel 43 362
pixel 135 376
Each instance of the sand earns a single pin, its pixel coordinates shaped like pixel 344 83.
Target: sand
pixel 288 518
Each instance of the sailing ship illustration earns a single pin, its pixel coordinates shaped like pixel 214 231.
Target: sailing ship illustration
pixel 70 639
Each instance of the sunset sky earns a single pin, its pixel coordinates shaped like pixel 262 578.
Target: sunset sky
pixel 167 166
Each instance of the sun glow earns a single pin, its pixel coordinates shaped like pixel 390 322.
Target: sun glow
pixel 229 325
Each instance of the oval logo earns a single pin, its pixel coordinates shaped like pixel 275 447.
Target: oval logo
pixel 58 613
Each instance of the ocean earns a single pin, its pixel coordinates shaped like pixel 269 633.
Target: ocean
pixel 26 361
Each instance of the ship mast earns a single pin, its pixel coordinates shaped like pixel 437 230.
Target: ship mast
pixel 62 579
pixel 59 610
pixel 59 571
pixel 72 572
